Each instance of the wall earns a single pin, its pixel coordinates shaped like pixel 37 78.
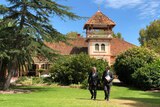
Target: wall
pixel 99 54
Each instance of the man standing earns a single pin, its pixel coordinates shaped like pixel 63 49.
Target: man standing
pixel 93 81
pixel 107 79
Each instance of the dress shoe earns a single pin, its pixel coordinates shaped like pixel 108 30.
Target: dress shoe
pixel 92 97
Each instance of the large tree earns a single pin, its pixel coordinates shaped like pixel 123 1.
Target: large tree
pixel 27 36
pixel 150 36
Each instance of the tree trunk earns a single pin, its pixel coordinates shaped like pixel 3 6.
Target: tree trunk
pixel 11 70
pixel 1 61
pixel 8 79
pixel 3 70
pixel 2 78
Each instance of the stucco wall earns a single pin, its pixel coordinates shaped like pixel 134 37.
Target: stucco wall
pixel 99 54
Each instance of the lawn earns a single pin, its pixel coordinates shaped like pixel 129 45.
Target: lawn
pixel 72 97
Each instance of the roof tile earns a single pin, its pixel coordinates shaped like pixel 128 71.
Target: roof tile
pixel 99 19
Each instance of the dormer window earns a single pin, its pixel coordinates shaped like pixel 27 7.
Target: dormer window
pixel 103 47
pixel 96 47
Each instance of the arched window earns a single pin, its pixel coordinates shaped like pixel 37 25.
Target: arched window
pixel 102 47
pixel 96 47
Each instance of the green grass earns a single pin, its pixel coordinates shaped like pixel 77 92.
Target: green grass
pixel 71 97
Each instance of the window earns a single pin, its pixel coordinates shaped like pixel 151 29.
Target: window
pixel 96 47
pixel 45 66
pixel 102 47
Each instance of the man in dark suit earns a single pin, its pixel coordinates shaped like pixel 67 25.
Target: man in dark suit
pixel 107 79
pixel 93 82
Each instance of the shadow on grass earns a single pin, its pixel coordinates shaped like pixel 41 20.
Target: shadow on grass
pixel 154 96
pixel 146 101
pixel 83 98
pixel 130 87
pixel 33 88
pixel 89 99
pixel 3 100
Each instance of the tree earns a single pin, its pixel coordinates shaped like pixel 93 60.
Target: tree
pixel 72 34
pixel 29 33
pixel 118 35
pixel 129 61
pixel 74 69
pixel 148 77
pixel 150 36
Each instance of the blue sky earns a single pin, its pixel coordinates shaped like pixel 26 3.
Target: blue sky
pixel 129 15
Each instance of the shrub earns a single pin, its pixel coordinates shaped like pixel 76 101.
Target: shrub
pixel 85 84
pixel 128 62
pixel 24 80
pixel 37 80
pixel 40 71
pixel 74 69
pixel 60 70
pixel 33 80
pixel 148 77
pixel 75 85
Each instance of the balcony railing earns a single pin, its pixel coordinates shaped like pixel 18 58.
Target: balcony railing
pixel 99 33
pixel 92 35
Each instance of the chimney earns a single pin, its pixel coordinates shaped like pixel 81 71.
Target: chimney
pixel 78 35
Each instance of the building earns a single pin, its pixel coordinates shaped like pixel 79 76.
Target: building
pixel 98 42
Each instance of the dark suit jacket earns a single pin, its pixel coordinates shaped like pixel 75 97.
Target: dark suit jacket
pixel 93 79
pixel 105 82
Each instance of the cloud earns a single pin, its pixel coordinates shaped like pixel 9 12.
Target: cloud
pixel 150 9
pixel 123 3
pixel 98 1
pixel 146 8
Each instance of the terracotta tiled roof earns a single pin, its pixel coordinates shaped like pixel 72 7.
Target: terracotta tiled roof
pixel 80 45
pixel 118 46
pixel 76 46
pixel 99 19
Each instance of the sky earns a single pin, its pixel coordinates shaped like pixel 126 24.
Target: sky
pixel 130 16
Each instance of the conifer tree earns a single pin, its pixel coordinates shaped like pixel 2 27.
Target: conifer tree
pixel 26 37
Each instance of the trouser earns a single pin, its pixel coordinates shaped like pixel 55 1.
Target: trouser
pixel 93 91
pixel 107 91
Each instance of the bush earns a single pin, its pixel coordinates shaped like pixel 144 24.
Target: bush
pixel 33 80
pixel 85 84
pixel 148 77
pixel 75 85
pixel 24 81
pixel 128 62
pixel 74 69
pixel 37 80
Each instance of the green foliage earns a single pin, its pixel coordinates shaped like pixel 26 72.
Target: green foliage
pixel 41 70
pixel 85 84
pixel 147 77
pixel 74 69
pixel 33 80
pixel 24 81
pixel 72 34
pixel 118 35
pixel 75 85
pixel 128 62
pixel 26 36
pixel 150 36
pixel 37 80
